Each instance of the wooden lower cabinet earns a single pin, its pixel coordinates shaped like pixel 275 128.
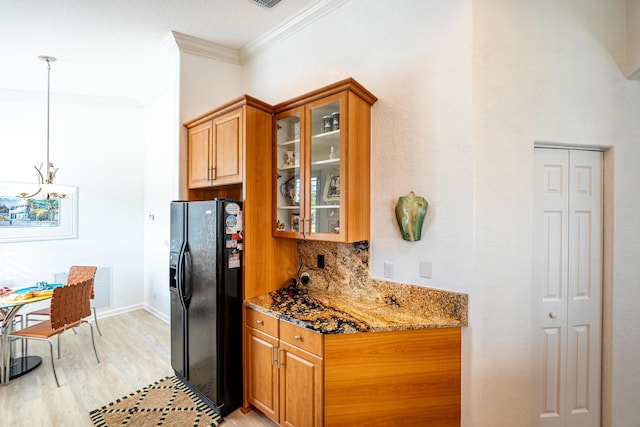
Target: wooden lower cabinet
pixel 284 378
pixel 300 387
pixel 394 378
pixel 263 381
pixel 298 377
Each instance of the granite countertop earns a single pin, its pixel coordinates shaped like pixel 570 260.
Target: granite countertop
pixel 393 307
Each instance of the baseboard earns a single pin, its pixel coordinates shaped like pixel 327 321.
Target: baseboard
pixel 160 315
pixel 113 312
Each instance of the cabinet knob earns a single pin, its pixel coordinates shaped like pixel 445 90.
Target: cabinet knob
pixel 552 315
pixel 260 322
pixel 297 338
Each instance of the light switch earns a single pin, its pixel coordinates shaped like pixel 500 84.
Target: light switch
pixel 425 269
pixel 388 270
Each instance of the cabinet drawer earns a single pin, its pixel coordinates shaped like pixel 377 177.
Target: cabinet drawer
pixel 262 322
pixel 302 338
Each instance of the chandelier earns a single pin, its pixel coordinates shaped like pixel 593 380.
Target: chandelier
pixel 47 171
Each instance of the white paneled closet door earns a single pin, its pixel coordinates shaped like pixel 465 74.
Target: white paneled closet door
pixel 567 282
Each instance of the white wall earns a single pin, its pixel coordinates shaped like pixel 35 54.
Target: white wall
pixel 546 71
pixel 190 86
pixel 96 144
pixel 161 146
pixel 205 84
pixel 464 95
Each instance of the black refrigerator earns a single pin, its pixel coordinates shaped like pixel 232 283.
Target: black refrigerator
pixel 206 299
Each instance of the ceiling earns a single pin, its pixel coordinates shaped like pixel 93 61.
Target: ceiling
pixel 109 47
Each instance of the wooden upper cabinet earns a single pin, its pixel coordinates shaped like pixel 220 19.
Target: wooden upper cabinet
pixel 227 156
pixel 215 150
pixel 321 161
pixel 199 154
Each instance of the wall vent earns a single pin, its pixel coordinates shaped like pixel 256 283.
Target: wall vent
pixel 266 3
pixel 101 286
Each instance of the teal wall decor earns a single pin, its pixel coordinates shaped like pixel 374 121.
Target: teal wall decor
pixel 410 213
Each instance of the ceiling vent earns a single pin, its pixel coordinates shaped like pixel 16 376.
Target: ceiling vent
pixel 267 3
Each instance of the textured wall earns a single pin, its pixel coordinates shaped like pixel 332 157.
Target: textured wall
pixel 547 71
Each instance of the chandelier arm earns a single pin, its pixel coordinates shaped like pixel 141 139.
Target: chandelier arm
pixel 41 180
pixel 28 196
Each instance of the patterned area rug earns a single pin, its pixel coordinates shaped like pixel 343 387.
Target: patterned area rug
pixel 167 402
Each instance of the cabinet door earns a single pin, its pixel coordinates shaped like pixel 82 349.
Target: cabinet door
pixel 263 381
pixel 333 180
pixel 326 155
pixel 288 195
pixel 300 387
pixel 199 155
pixel 227 154
pixel 307 156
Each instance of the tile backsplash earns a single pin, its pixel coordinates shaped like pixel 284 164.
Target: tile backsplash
pixel 346 273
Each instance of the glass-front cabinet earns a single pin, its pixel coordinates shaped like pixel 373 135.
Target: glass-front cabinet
pixel 323 178
pixel 288 157
pixel 322 159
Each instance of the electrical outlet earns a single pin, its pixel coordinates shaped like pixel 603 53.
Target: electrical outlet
pixel 388 270
pixel 424 269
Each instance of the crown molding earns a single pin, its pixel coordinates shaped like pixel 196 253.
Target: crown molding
pixel 288 28
pixel 196 46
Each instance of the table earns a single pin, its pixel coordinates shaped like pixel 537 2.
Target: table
pixel 9 306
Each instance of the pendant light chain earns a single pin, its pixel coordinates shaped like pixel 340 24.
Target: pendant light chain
pixel 48 59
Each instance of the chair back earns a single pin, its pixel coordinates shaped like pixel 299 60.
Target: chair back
pixel 71 303
pixel 78 273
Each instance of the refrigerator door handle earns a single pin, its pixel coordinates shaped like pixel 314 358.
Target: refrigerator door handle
pixel 180 278
pixel 187 285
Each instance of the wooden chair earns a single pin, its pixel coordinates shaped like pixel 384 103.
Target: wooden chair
pixel 77 273
pixel 70 305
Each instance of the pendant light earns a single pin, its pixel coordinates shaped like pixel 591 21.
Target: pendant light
pixel 46 174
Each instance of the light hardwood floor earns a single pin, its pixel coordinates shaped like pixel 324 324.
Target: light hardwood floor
pixel 134 352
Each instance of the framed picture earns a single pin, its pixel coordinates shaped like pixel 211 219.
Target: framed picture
pixel 23 220
pixel 295 223
pixel 331 191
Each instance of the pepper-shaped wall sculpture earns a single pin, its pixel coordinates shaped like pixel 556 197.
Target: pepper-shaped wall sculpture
pixel 410 213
